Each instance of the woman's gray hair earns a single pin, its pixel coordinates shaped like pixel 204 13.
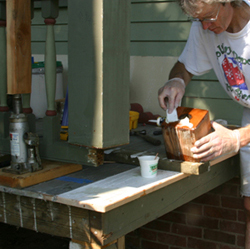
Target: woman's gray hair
pixel 191 7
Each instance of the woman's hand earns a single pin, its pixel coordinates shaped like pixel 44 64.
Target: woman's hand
pixel 171 93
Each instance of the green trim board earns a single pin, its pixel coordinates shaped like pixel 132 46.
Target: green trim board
pixel 156 48
pixel 62 3
pixel 38 33
pixel 39 47
pixel 156 12
pixel 172 31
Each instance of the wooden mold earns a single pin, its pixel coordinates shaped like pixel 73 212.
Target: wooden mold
pixel 180 139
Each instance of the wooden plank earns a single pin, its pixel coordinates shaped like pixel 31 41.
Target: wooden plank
pixel 26 212
pixel 121 243
pixel 18 33
pixel 12 204
pixel 115 191
pixel 45 216
pixel 50 171
pixel 54 213
pixel 79 230
pixel 62 3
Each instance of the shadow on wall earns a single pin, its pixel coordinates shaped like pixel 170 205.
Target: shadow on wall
pixel 159 31
pixel 147 75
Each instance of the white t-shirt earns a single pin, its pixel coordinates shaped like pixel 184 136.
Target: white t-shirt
pixel 227 53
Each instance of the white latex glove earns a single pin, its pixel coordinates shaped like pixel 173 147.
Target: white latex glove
pixel 173 91
pixel 221 141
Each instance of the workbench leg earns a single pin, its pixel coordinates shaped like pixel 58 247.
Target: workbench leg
pixel 118 244
pixel 121 243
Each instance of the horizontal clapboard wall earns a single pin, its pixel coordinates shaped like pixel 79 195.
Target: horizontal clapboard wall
pixel 158 28
pixel 38 30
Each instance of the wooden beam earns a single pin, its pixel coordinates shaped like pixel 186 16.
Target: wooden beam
pixel 18 46
pixel 99 72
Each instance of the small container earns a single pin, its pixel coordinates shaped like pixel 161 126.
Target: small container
pixel 149 166
pixel 133 119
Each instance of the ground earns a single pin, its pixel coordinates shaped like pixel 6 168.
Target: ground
pixel 12 237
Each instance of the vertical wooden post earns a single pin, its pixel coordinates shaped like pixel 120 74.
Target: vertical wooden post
pixel 121 243
pixel 99 39
pixel 18 46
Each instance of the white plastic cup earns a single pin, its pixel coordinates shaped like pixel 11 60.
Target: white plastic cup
pixel 149 165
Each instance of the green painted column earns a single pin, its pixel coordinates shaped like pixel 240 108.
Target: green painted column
pixel 99 55
pixel 50 10
pixel 50 67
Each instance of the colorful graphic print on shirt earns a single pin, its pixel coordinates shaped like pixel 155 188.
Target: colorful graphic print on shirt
pixel 235 80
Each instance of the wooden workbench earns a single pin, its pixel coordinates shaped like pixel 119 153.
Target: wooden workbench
pixel 96 207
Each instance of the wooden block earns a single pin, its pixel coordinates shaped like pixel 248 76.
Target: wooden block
pixel 51 170
pixel 180 139
pixel 18 34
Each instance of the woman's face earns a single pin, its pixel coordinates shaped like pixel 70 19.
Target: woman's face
pixel 216 17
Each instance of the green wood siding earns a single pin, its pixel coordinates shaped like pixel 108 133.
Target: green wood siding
pixel 38 32
pixel 158 28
